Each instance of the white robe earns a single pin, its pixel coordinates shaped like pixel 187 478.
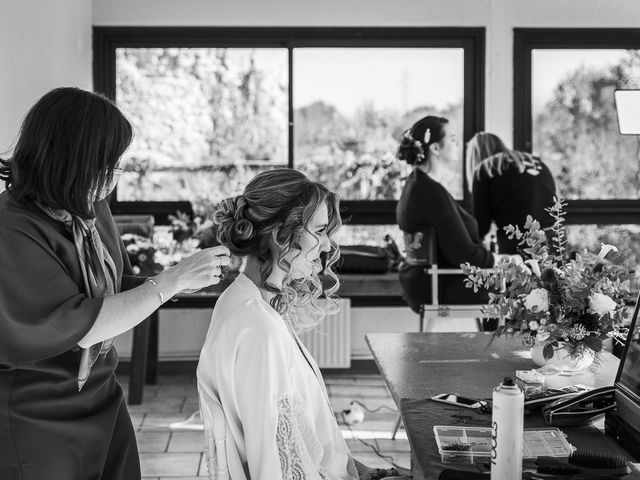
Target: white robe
pixel 279 420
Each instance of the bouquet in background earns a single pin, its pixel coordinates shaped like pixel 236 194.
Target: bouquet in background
pixel 557 298
pixel 142 255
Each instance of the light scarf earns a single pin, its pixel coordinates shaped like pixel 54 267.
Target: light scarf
pixel 98 273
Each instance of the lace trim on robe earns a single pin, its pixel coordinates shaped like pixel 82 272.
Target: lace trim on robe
pixel 299 449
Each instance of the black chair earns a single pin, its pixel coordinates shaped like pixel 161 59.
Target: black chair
pixel 421 249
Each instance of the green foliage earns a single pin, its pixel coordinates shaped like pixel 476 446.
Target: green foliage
pixel 576 133
pixel 556 296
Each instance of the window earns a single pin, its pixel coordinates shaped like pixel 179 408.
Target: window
pixel 206 120
pixel 574 120
pixel 212 107
pixel 564 110
pixel 352 105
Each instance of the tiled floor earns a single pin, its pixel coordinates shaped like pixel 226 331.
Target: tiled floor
pixel 171 448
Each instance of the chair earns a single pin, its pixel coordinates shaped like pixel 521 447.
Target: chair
pixel 215 432
pixel 421 249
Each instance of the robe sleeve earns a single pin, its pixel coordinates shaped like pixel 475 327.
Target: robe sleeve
pixel 43 313
pixel 281 441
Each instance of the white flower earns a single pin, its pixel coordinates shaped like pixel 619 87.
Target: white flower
pixel 604 251
pixel 534 266
pixel 136 269
pixel 132 248
pixel 537 300
pixel 601 304
pixel 427 135
pixel 542 336
pixel 533 325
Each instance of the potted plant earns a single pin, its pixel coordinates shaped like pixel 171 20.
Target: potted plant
pixel 563 304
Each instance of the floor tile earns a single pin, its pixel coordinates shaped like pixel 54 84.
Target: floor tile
pixel 152 442
pixel 159 405
pixel 170 464
pixel 186 442
pixel 156 421
pixel 360 391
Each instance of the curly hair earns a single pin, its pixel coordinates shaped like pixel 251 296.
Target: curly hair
pixel 275 209
pixel 415 142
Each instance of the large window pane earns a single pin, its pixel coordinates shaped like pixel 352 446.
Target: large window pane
pixel 624 237
pixel 206 120
pixel 575 128
pixel 352 105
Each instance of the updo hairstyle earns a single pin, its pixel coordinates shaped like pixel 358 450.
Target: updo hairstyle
pixel 277 206
pixel 414 145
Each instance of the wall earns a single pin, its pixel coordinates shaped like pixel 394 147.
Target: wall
pixel 43 44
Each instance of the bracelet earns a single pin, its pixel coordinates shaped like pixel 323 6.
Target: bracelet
pixel 153 282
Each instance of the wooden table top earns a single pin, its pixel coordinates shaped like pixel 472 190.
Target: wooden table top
pixel 417 366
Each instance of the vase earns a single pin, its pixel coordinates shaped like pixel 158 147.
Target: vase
pixel 562 358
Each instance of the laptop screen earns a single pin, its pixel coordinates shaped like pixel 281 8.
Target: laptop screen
pixel 629 371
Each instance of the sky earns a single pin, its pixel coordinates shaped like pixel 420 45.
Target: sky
pixel 393 79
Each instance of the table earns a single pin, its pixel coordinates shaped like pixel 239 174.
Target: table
pixel 364 290
pixel 417 366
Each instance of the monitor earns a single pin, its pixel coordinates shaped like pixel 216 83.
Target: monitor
pixel 624 423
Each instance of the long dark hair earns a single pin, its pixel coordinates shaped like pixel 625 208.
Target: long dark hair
pixel 414 145
pixel 69 144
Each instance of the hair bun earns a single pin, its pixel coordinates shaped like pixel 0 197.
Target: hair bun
pixel 410 150
pixel 235 230
pixel 243 229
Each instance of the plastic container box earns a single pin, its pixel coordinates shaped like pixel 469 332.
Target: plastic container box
pixel 461 445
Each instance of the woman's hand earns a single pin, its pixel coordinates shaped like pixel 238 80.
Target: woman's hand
pixel 197 271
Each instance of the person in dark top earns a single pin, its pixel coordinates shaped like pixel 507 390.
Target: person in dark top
pixel 424 202
pixel 507 186
pixel 66 289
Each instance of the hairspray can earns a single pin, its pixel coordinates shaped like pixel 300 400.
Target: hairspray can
pixel 507 431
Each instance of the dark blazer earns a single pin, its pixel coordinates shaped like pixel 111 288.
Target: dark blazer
pixel 508 198
pixel 55 430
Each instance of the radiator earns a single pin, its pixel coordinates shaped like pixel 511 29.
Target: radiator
pixel 330 342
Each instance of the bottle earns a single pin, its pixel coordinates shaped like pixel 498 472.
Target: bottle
pixel 507 431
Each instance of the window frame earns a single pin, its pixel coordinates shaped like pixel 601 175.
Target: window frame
pixel 583 211
pixel 361 212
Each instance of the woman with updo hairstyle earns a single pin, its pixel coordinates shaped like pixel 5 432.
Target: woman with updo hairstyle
pixel 253 366
pixel 508 185
pixel 424 202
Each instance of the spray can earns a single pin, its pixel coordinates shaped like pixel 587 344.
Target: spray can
pixel 507 431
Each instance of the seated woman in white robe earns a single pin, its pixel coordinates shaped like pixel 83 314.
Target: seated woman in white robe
pixel 279 423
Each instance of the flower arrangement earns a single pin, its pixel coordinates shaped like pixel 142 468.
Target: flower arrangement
pixel 142 255
pixel 556 298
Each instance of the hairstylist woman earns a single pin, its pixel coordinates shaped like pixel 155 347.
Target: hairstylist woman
pixel 65 292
